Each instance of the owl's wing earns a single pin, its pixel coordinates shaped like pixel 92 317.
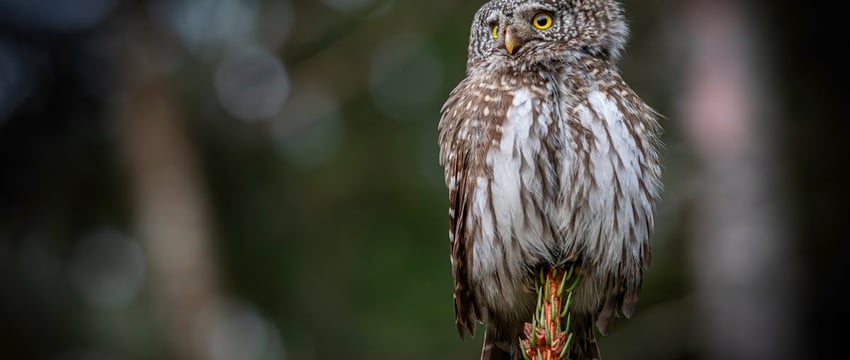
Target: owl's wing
pixel 626 127
pixel 466 311
pixel 455 159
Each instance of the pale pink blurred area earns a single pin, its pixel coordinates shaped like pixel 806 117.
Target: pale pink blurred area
pixel 742 256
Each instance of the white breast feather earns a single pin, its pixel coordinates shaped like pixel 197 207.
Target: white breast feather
pixel 513 169
pixel 615 160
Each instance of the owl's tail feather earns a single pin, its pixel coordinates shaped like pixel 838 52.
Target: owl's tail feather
pixel 495 349
pixel 584 345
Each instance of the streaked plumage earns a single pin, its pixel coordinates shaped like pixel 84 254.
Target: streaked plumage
pixel 549 156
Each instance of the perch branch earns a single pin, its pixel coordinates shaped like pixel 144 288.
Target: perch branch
pixel 548 336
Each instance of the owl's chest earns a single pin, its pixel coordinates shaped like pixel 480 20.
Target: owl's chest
pixel 516 144
pixel 608 179
pixel 505 110
pixel 515 192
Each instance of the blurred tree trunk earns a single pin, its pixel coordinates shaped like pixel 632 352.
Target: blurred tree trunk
pixel 745 282
pixel 169 205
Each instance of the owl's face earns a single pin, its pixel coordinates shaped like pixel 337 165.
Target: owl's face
pixel 519 33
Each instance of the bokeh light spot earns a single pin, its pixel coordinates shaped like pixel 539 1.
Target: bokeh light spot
pixel 235 330
pixel 208 26
pixel 107 269
pixel 252 84
pixel 405 79
pixel 348 5
pixel 310 130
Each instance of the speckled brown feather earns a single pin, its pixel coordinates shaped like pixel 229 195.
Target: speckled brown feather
pixel 466 309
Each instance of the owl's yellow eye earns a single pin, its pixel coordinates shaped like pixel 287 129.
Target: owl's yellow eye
pixel 542 21
pixel 495 31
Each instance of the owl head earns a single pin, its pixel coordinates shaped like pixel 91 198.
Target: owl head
pixel 527 32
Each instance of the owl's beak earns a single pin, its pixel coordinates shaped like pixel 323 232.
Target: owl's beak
pixel 511 41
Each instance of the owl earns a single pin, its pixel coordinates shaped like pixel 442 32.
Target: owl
pixel 549 158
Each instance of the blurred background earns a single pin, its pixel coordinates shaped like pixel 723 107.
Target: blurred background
pixel 258 179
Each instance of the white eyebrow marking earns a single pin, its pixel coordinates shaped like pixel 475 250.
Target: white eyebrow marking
pixel 533 8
